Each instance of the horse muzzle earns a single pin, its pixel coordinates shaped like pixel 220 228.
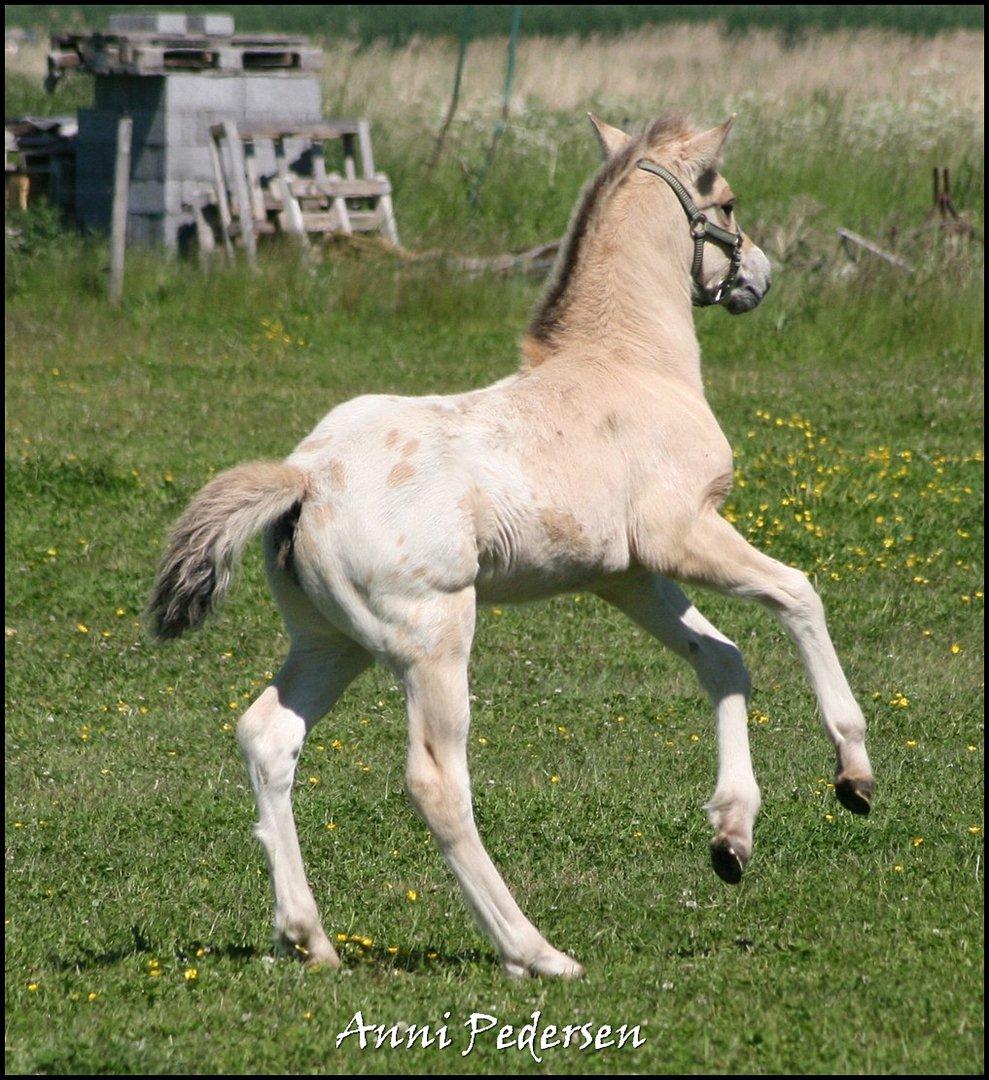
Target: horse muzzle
pixel 751 285
pixel 744 298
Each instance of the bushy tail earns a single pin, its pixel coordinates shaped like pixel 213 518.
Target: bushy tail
pixel 211 534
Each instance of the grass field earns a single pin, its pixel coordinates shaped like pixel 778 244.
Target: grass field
pixel 137 906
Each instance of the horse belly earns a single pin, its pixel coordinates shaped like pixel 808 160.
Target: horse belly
pixel 555 553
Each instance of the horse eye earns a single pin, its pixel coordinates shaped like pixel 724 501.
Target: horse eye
pixel 729 208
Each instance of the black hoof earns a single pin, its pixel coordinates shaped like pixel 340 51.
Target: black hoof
pixel 855 795
pixel 727 865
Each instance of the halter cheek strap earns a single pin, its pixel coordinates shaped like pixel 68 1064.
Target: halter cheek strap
pixel 703 231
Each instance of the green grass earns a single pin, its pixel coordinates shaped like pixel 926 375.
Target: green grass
pixel 853 402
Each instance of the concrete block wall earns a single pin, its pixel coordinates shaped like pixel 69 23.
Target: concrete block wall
pixel 170 157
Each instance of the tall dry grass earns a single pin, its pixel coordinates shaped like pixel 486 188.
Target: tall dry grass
pixel 693 68
pixel 689 67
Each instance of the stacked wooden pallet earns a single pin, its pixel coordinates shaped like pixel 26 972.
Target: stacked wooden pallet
pixel 300 198
pixel 157 44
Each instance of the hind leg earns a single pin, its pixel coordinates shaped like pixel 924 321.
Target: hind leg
pixel 271 734
pixel 661 607
pixel 438 783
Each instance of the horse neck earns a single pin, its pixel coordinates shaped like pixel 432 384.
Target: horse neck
pixel 628 300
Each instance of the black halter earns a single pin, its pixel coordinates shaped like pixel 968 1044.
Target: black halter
pixel 703 231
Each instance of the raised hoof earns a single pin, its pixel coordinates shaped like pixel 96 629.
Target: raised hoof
pixel 726 861
pixel 855 795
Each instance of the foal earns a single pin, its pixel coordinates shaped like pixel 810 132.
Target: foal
pixel 598 466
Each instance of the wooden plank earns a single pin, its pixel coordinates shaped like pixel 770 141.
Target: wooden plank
pixel 121 188
pixel 223 204
pixel 318 159
pixel 330 129
pixel 364 220
pixel 235 149
pixel 292 213
pixel 894 260
pixel 340 209
pixel 389 226
pixel 305 188
pixel 205 241
pixel 367 154
pixel 349 158
pixel 254 182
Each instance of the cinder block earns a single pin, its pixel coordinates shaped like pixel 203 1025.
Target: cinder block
pixel 311 59
pixel 129 93
pixel 152 22
pixel 166 128
pixel 211 25
pixel 148 162
pixel 264 155
pixel 193 93
pixel 189 163
pixel 282 97
pixel 143 229
pixel 155 196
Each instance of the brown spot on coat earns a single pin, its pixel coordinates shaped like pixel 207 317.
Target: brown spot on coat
pixel 338 475
pixel 391 438
pixel 410 447
pixel 562 528
pixel 403 471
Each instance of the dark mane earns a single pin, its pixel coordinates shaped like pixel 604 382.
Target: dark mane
pixel 549 310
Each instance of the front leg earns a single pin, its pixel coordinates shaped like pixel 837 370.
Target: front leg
pixel 662 608
pixel 717 556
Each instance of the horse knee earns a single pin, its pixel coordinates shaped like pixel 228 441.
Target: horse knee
pixel 795 599
pixel 437 796
pixel 270 740
pixel 720 666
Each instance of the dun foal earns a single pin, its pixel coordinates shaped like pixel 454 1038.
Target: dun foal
pixel 598 466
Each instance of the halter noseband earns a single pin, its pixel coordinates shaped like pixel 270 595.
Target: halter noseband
pixel 703 231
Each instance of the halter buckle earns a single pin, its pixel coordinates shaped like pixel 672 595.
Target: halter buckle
pixel 698 226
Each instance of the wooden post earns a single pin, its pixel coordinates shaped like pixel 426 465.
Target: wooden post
pixel 222 202
pixel 245 213
pixel 465 27
pixel 386 212
pixel 206 244
pixel 118 226
pixel 367 154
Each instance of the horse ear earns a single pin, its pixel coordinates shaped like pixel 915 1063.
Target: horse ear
pixel 704 151
pixel 611 139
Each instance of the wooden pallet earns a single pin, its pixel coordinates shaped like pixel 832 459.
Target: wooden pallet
pixel 250 205
pixel 147 53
